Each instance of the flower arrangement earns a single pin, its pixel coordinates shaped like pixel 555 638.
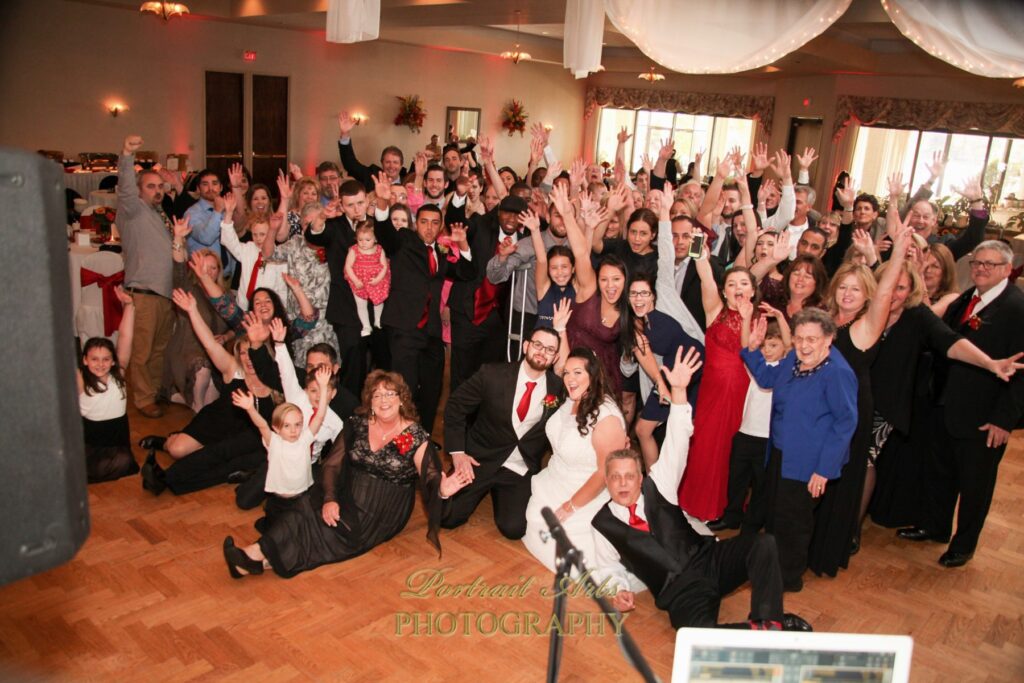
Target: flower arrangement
pixel 551 401
pixel 102 218
pixel 404 442
pixel 410 112
pixel 513 118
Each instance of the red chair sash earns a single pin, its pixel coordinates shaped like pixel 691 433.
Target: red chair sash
pixel 112 309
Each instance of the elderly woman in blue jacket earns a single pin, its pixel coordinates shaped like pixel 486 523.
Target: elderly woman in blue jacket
pixel 814 414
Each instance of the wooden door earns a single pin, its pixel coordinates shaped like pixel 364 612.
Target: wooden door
pixel 225 93
pixel 269 128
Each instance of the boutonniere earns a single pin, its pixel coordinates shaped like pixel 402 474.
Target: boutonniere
pixel 551 401
pixel 974 322
pixel 403 442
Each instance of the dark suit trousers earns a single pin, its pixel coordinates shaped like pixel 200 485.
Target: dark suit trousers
pixel 510 493
pixel 959 467
pixel 419 359
pixel 352 356
pixel 790 520
pixel 720 568
pixel 746 471
pixel 212 464
pixel 484 344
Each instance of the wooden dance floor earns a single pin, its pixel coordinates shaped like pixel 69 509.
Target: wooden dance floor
pixel 148 598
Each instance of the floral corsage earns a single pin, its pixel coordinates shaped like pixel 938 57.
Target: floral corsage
pixel 404 442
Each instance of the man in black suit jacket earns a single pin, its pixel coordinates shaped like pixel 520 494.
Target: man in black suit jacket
pixel 412 312
pixel 391 159
pixel 687 282
pixel 643 538
pixel 478 307
pixel 337 235
pixel 501 449
pixel 976 410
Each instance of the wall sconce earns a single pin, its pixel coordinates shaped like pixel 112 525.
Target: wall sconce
pixel 548 127
pixel 359 119
pixel 116 109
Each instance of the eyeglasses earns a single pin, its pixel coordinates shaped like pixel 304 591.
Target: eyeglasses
pixel 539 346
pixel 986 265
pixel 382 395
pixel 646 294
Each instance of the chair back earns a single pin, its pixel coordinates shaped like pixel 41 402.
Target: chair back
pixel 89 319
pixel 53 155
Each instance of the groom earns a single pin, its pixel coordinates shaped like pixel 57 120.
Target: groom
pixel 502 447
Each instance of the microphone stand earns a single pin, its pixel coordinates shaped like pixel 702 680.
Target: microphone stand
pixel 568 556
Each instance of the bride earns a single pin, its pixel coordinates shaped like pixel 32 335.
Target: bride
pixel 584 430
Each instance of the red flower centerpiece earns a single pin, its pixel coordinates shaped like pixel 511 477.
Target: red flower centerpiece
pixel 410 113
pixel 513 118
pixel 101 219
pixel 403 442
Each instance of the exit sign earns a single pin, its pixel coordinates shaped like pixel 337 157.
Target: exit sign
pixel 249 55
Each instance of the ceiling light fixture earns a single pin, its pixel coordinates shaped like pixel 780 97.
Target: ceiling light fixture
pixel 651 75
pixel 166 10
pixel 516 55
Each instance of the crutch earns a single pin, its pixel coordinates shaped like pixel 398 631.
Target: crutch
pixel 520 272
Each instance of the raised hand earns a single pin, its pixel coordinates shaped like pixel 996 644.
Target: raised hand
pixel 180 227
pixel 668 148
pixel 229 205
pixel 782 166
pixel 780 252
pixel 554 170
pixel 809 156
pixel 1006 367
pixel 902 243
pixel 345 124
pixel 291 282
pixel 647 163
pixel 560 198
pixel 184 300
pixel 561 315
pixel 618 198
pixel 762 192
pixel 770 311
pixel 696 162
pixel 243 399
pixel 970 189
pixel 235 174
pixel 132 143
pixel 295 171
pixel 623 136
pixel 594 218
pixel 529 219
pixel 486 148
pixel 848 194
pixel 895 186
pixel 760 157
pixel 540 134
pixel 458 233
pixel 382 188
pixel 323 377
pixel 278 331
pixel 758 330
pixel 723 167
pixel 124 297
pixel 684 369
pixel 577 173
pixel 506 248
pixel 935 167
pixel 536 151
pixel 197 266
pixel 255 329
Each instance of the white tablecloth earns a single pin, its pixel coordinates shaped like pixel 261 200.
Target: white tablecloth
pixel 84 183
pixel 75 256
pixel 103 198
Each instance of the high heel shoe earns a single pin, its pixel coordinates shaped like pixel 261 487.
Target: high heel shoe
pixel 236 558
pixel 153 442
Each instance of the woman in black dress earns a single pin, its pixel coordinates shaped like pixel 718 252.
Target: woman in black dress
pixel 368 492
pixel 860 311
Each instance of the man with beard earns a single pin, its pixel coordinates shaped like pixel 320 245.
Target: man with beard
pixel 476 305
pixel 204 217
pixel 501 266
pixel 501 449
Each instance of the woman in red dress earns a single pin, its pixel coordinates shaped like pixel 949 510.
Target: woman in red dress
pixel 719 409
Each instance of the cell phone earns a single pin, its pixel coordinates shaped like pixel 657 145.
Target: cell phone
pixel 697 245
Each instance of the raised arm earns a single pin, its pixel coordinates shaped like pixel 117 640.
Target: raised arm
pixel 867 330
pixel 244 400
pixel 236 213
pixel 486 147
pixel 221 359
pixel 306 309
pixel 723 169
pixel 974 233
pixel 284 189
pixel 293 391
pixel 126 330
pixel 710 299
pixel 668 471
pixel 127 186
pixel 323 380
pixel 228 236
pixel 586 279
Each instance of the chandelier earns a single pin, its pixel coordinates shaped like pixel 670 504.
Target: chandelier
pixel 167 10
pixel 516 55
pixel 651 75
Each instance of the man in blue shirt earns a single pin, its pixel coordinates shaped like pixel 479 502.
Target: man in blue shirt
pixel 204 217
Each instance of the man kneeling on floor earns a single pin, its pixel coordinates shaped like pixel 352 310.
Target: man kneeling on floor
pixel 643 539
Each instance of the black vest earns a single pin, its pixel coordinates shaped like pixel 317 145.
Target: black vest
pixel 656 558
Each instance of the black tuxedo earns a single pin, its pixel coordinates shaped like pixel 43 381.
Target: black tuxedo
pixel 417 353
pixel 478 422
pixel 475 344
pixel 969 397
pixel 691 294
pixel 688 573
pixel 337 237
pixel 364 174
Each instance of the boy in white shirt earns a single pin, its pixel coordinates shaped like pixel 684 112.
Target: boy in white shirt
pixel 256 268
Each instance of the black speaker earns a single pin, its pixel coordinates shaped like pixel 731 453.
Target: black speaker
pixel 44 514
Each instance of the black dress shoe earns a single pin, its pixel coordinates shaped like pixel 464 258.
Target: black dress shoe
pixel 153 442
pixel 721 524
pixel 239 476
pixel 153 475
pixel 916 534
pixel 855 544
pixel 794 622
pixel 950 559
pixel 236 557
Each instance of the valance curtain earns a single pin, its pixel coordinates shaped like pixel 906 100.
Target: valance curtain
pixel 708 104
pixel 352 21
pixel 983 38
pixel 956 117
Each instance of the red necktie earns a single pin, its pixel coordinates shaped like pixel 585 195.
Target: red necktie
pixel 252 278
pixel 975 300
pixel 524 403
pixel 635 521
pixel 432 260
pixel 312 445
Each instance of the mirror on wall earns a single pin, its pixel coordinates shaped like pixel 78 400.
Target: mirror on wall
pixel 463 123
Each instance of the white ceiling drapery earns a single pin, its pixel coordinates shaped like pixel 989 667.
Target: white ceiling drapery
pixel 352 21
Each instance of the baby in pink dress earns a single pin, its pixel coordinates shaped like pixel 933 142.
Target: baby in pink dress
pixel 367 272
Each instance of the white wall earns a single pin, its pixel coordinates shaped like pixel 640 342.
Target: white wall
pixel 60 62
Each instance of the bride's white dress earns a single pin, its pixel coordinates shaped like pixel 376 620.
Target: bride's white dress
pixel 573 461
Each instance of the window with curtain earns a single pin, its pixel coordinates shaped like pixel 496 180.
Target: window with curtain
pixel 880 152
pixel 691 133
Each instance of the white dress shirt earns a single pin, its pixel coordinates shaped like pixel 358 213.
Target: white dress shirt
pixel 989 296
pixel 515 461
